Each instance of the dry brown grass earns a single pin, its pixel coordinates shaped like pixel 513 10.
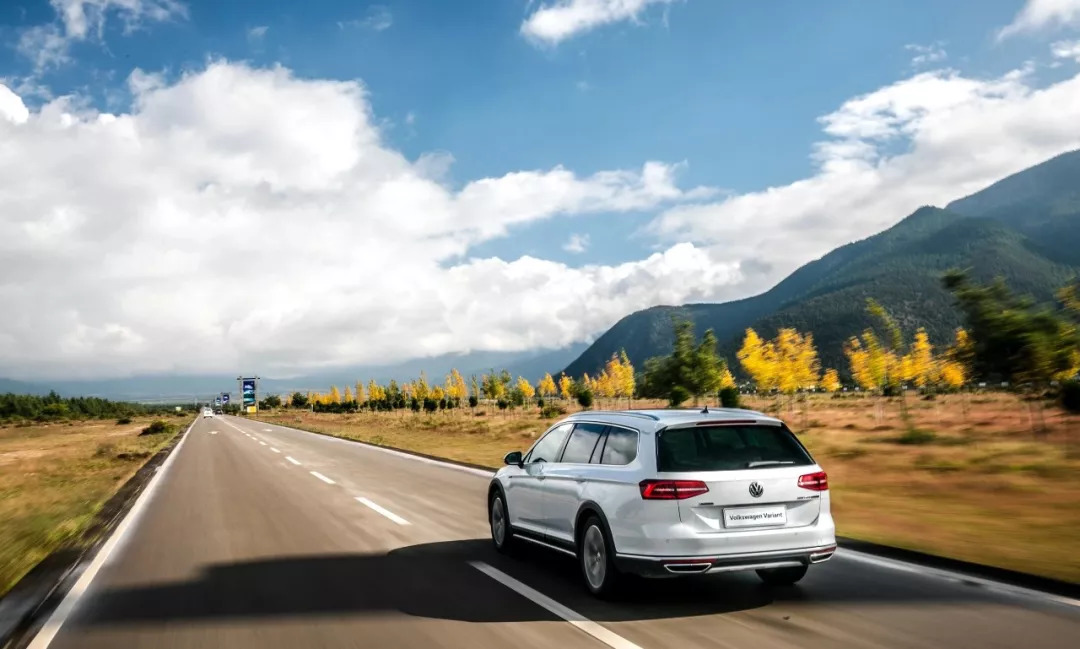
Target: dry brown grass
pixel 973 481
pixel 53 480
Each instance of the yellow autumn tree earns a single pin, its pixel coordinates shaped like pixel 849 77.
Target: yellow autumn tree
pixel 457 388
pixel 726 379
pixel 526 388
pixel 920 366
pixel 953 365
pixel 547 386
pixel 360 395
pixel 566 386
pixel 346 396
pixel 421 390
pixel 335 395
pixel 375 391
pixel 830 382
pixel 872 365
pixel 758 359
pixel 437 393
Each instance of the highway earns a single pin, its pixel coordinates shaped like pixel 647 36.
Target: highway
pixel 260 536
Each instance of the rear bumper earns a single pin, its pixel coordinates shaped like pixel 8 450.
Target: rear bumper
pixel 651 566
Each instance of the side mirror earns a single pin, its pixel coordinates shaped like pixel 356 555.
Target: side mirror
pixel 513 457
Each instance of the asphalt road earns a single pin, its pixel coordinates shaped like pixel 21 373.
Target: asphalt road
pixel 255 536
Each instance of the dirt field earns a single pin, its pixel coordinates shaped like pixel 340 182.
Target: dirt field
pixel 966 477
pixel 55 477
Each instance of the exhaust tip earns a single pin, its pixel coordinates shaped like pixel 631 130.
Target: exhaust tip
pixel 824 555
pixel 687 568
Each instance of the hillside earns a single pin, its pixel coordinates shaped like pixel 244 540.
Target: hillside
pixel 1024 228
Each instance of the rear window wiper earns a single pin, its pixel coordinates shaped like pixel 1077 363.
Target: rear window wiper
pixel 754 465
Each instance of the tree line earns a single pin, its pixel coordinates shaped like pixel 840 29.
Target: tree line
pixel 53 407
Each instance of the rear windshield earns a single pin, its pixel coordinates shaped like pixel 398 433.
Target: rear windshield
pixel 729 448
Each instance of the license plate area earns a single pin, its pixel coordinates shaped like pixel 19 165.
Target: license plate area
pixel 764 516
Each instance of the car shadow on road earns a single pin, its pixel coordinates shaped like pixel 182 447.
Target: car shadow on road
pixel 437 580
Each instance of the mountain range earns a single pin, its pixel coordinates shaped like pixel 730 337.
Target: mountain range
pixel 1024 228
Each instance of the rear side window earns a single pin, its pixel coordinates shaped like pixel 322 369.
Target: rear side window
pixel 547 449
pixel 729 448
pixel 582 442
pixel 620 447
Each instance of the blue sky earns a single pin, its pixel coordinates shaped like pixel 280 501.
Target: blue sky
pixel 734 89
pixel 757 103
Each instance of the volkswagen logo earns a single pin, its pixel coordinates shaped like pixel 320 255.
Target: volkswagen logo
pixel 756 489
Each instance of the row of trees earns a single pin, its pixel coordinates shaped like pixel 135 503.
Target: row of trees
pixel 53 407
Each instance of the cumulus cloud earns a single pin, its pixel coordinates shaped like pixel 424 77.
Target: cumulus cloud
pixel 563 19
pixel 926 54
pixel 578 243
pixel 1066 50
pixel 1040 14
pixel 928 139
pixel 224 223
pixel 79 20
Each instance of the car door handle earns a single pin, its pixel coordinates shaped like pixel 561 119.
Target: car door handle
pixel 579 479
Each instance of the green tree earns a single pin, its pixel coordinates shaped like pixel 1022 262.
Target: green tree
pixel 298 400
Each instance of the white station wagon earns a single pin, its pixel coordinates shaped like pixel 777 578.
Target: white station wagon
pixel 661 493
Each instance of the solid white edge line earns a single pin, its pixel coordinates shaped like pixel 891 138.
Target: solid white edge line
pixel 601 633
pixel 52 626
pixel 382 510
pixel 292 460
pixel 959 577
pixel 274 449
pixel 322 477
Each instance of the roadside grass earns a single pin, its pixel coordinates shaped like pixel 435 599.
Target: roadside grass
pixel 55 477
pixel 965 477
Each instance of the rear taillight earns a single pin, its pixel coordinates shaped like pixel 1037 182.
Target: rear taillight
pixel 672 489
pixel 815 481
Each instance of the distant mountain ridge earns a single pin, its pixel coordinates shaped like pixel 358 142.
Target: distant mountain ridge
pixel 531 364
pixel 1025 228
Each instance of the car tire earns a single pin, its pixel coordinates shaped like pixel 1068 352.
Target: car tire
pixel 502 535
pixel 596 557
pixel 782 576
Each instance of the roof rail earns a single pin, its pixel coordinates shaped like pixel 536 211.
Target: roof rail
pixel 629 413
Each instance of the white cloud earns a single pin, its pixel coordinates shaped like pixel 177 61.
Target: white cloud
pixel 1040 14
pixel 934 137
pixel 555 22
pixel 257 34
pixel 578 243
pixel 925 54
pixel 378 18
pixel 224 222
pixel 12 107
pixel 80 20
pixel 1066 50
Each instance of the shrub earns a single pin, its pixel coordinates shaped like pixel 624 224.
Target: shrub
pixel 552 411
pixel 585 398
pixel 503 404
pixel 473 401
pixel 729 397
pixel 678 396
pixel 430 405
pixel 1070 395
pixel 159 427
pixel 540 402
pixel 123 421
pixel 916 436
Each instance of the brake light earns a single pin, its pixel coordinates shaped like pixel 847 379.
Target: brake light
pixel 672 489
pixel 815 481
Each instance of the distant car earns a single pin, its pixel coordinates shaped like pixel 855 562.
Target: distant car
pixel 207 413
pixel 664 493
pixel 218 411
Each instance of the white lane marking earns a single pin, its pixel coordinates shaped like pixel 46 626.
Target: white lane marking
pixel 948 575
pixel 484 473
pixel 382 510
pixel 603 634
pixel 274 449
pixel 292 460
pixel 322 477
pixel 212 432
pixel 52 626
pixel 262 442
pixel 268 430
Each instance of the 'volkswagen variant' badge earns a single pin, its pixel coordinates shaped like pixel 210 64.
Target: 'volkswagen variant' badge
pixel 756 489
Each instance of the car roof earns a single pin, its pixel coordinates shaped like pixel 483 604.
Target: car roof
pixel 656 419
